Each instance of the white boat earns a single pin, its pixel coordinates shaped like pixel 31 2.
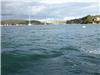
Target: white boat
pixel 93 23
pixel 29 24
pixel 29 21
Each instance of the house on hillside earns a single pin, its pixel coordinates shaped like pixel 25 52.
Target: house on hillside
pixel 96 20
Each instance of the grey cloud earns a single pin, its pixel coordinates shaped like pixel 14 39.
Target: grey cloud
pixel 40 10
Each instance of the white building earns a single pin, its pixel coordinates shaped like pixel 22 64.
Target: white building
pixel 98 19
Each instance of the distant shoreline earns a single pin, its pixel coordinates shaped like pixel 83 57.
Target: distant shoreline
pixel 84 20
pixel 48 24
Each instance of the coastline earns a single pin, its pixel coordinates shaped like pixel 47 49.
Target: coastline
pixel 84 20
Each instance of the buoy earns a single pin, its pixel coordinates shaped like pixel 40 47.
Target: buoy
pixel 83 26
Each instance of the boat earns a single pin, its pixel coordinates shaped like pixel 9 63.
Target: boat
pixel 29 23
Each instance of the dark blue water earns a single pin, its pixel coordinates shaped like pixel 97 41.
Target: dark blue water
pixel 51 50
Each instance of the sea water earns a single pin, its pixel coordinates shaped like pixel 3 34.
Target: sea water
pixel 50 50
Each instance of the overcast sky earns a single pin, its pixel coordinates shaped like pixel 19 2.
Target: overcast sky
pixel 40 9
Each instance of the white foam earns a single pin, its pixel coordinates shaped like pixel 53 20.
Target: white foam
pixel 91 51
pixel 97 51
pixel 83 26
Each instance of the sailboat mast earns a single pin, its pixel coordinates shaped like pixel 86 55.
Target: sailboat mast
pixel 29 20
pixel 45 20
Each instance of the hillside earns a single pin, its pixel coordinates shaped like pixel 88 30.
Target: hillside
pixel 23 22
pixel 85 20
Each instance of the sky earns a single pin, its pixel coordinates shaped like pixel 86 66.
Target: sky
pixel 50 9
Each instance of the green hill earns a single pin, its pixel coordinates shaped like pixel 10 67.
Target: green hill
pixel 23 22
pixel 85 20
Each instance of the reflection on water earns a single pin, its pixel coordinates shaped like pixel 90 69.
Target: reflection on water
pixel 51 50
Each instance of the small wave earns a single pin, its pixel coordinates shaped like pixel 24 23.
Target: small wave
pixel 97 51
pixel 91 51
pixel 98 39
pixel 70 48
